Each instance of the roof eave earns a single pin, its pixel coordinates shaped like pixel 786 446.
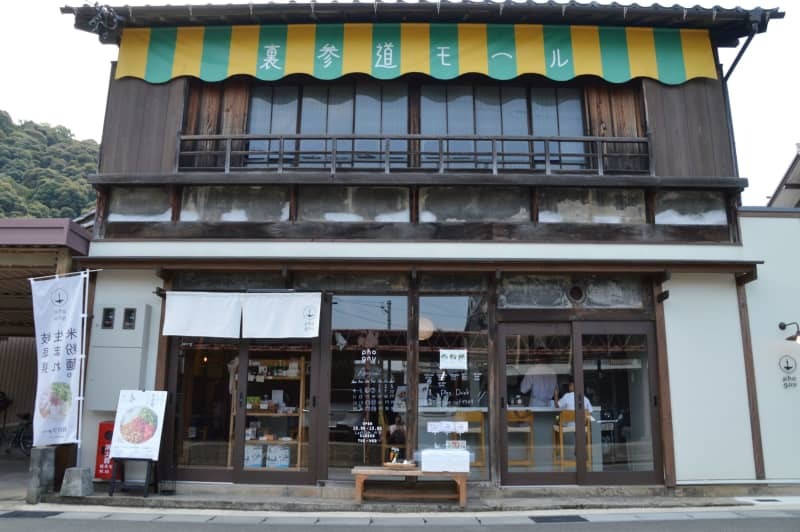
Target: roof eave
pixel 726 25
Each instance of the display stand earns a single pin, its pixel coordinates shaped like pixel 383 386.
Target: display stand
pixel 118 468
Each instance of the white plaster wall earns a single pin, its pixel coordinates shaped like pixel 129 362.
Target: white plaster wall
pixel 710 415
pixel 772 298
pixel 418 251
pixel 128 287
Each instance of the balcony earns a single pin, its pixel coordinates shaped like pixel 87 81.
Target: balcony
pixel 415 154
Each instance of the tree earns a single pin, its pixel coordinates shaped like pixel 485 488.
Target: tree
pixel 43 170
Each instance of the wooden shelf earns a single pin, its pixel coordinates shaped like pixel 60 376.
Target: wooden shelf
pixel 299 414
pixel 250 413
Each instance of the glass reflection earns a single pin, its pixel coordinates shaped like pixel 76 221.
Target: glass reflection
pixel 366 423
pixel 616 380
pixel 453 377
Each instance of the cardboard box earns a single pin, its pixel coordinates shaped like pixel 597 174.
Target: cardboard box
pixel 445 460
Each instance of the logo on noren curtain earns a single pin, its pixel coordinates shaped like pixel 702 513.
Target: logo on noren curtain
pixel 309 318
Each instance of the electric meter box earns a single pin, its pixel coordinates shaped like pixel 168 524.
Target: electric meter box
pixel 117 353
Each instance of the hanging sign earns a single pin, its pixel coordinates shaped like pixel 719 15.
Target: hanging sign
pixel 58 312
pixel 453 359
pixel 138 424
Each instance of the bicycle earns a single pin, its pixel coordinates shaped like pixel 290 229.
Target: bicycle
pixel 23 436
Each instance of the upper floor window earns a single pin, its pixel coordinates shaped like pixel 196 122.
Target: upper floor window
pixel 507 111
pixel 319 112
pixel 420 124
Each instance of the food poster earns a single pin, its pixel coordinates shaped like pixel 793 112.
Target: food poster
pixel 58 311
pixel 138 424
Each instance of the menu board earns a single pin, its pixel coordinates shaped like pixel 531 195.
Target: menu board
pixel 138 424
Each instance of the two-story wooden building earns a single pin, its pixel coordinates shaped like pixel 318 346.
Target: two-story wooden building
pixel 512 216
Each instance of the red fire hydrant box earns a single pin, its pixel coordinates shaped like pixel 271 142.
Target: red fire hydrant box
pixel 102 465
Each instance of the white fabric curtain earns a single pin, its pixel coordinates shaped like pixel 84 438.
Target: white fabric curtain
pixel 210 314
pixel 289 315
pixel 219 315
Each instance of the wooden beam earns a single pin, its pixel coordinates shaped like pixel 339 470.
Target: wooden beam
pixel 163 345
pixel 393 265
pixel 750 376
pixel 459 177
pixel 63 262
pixel 665 402
pixel 466 232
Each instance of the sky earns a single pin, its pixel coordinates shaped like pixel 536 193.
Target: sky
pixel 57 75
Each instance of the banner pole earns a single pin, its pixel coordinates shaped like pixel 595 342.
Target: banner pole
pixel 81 381
pixel 61 275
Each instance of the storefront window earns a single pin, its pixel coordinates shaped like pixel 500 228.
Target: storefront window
pixel 139 204
pixel 235 204
pixel 566 292
pixel 591 206
pixel 204 417
pixel 369 385
pixel 453 377
pixel 690 208
pixel 353 204
pixel 470 204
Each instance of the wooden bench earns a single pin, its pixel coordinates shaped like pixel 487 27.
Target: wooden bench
pixel 363 472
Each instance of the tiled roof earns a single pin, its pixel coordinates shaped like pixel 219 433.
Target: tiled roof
pixel 725 24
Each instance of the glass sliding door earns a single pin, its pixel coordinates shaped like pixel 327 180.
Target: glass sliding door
pixel 578 403
pixel 275 412
pixel 537 437
pixel 619 381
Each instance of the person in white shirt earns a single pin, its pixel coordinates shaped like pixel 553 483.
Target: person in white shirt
pixel 567 401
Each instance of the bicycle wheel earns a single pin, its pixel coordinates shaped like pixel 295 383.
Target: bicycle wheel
pixel 26 441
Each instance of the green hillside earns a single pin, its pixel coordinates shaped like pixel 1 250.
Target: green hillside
pixel 43 171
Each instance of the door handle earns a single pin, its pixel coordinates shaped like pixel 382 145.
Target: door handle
pixel 655 401
pixel 241 400
pixel 502 402
pixel 313 401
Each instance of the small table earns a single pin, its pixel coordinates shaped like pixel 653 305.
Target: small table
pixel 363 472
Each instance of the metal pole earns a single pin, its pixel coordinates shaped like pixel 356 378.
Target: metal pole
pixel 82 369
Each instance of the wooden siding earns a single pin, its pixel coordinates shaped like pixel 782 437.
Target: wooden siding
pixel 616 111
pixel 18 375
pixel 689 129
pixel 142 124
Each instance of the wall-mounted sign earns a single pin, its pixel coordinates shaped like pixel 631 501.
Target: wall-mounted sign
pixel 788 366
pixel 453 359
pixel 138 424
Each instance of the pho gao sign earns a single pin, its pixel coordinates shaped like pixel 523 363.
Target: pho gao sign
pixel 138 424
pixel 58 312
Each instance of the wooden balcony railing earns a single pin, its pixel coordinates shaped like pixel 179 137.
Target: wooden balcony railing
pixel 415 153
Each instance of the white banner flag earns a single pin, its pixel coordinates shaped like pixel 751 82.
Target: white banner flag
pixel 58 309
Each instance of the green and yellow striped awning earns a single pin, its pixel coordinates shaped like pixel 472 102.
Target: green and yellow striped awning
pixel 443 51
